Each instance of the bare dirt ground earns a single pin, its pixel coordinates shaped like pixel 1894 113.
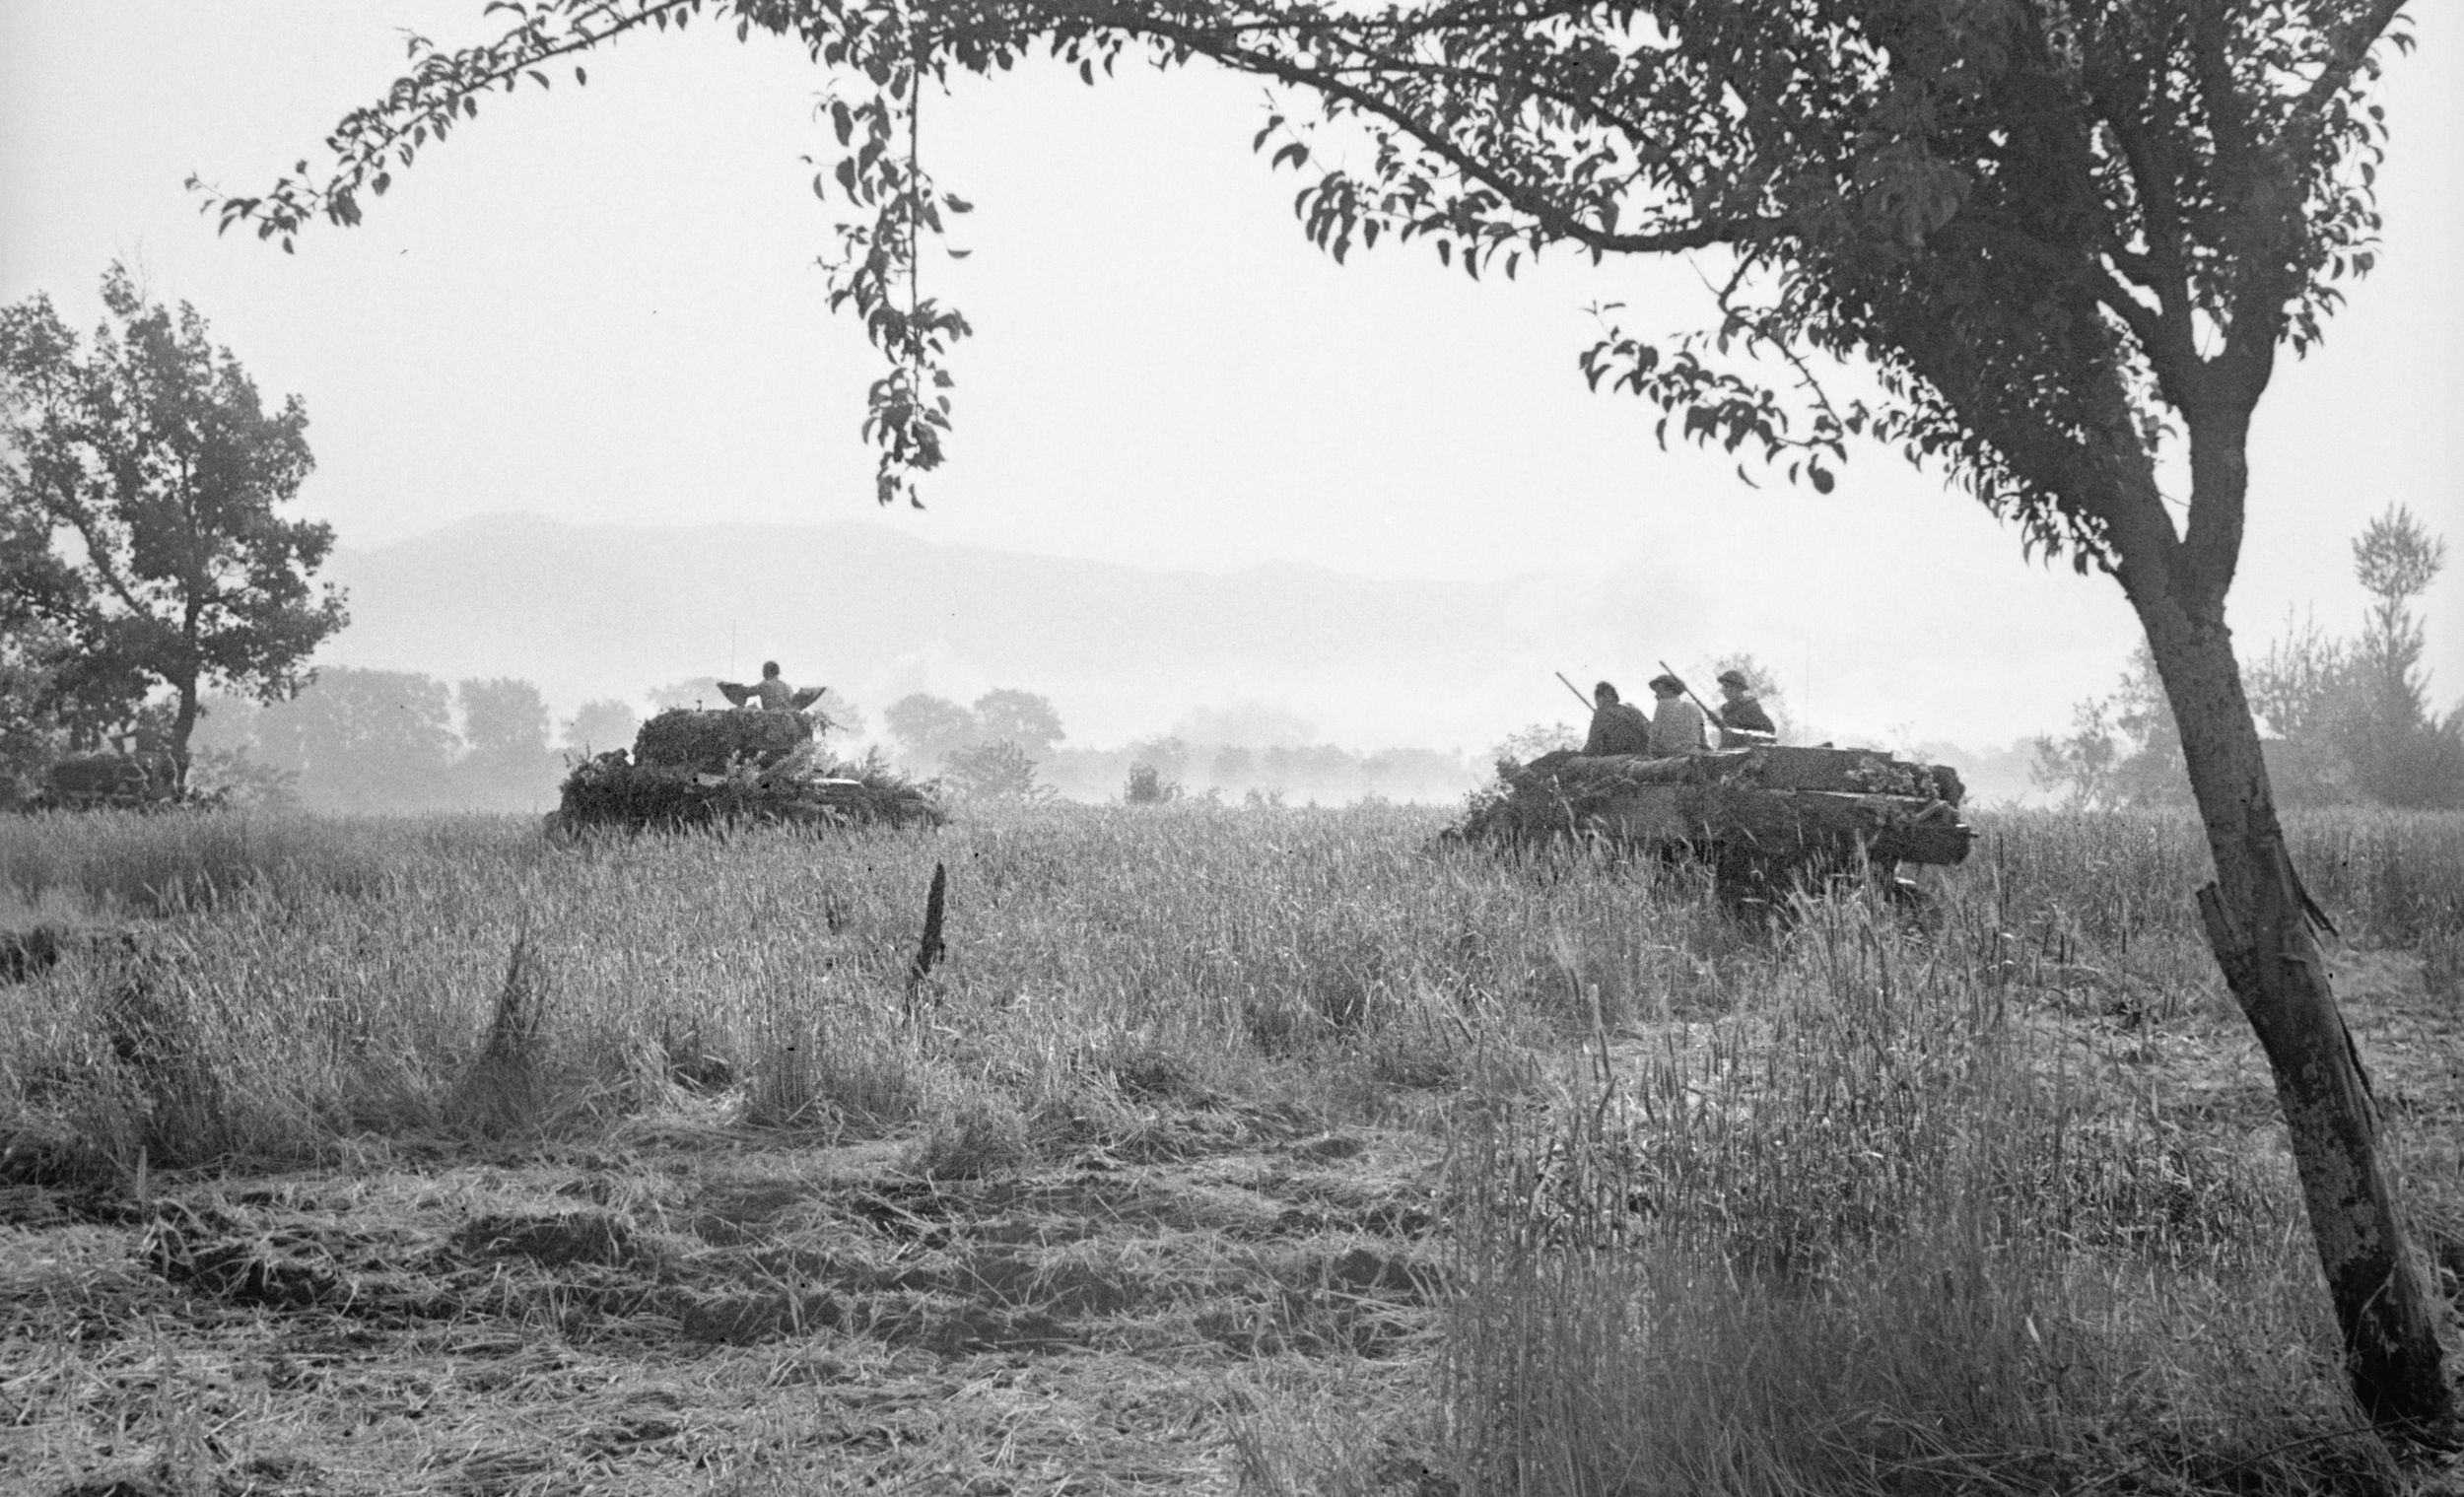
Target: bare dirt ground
pixel 697 1307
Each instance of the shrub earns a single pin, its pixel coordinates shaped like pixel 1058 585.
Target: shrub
pixel 1000 769
pixel 1148 787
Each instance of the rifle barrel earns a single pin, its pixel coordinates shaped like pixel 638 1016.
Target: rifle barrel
pixel 1711 719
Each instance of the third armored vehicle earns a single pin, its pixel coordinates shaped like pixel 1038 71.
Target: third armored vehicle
pixel 108 781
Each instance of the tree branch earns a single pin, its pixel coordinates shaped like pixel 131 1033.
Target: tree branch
pixel 2160 210
pixel 1524 199
pixel 2348 51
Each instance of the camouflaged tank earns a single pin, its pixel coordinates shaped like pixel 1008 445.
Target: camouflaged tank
pixel 139 782
pixel 691 767
pixel 1766 818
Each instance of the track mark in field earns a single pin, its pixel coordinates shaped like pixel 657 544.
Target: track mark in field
pixel 640 1321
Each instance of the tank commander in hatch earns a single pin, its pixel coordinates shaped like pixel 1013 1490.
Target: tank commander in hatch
pixel 1742 721
pixel 772 693
pixel 1618 726
pixel 1676 724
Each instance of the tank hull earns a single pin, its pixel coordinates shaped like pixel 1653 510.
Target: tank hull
pixel 695 768
pixel 106 782
pixel 1885 828
pixel 1763 817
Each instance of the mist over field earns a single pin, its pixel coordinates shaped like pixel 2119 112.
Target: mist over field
pixel 1277 658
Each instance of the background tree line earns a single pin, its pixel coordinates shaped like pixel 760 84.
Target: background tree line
pixel 2349 719
pixel 396 742
pixel 1010 742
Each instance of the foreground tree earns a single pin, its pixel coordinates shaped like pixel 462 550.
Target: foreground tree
pixel 2062 235
pixel 151 472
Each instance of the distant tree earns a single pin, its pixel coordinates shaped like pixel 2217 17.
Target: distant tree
pixel 2068 240
pixel 241 781
pixel 226 763
pixel 2307 691
pixel 227 722
pixel 506 764
pixel 2296 687
pixel 600 725
pixel 1167 755
pixel 1532 740
pixel 365 740
pixel 843 714
pixel 2078 767
pixel 1312 770
pixel 1020 718
pixel 502 719
pixel 2402 754
pixel 154 471
pixel 2122 750
pixel 930 728
pixel 2352 718
pixel 2349 719
pixel 995 769
pixel 1232 767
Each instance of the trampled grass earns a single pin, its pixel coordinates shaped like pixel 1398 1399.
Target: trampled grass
pixel 1407 1168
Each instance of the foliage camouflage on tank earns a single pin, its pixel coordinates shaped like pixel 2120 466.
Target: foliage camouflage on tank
pixel 108 782
pixel 692 768
pixel 1765 816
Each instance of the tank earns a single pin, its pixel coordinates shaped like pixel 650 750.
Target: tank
pixel 689 766
pixel 101 781
pixel 1767 819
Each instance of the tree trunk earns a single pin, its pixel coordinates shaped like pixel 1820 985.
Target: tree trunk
pixel 184 724
pixel 2259 923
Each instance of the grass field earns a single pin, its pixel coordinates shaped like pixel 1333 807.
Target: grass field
pixel 1226 1150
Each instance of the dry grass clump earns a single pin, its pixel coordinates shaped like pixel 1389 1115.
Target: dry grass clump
pixel 2119 875
pixel 979 1136
pixel 1884 1232
pixel 162 863
pixel 503 1091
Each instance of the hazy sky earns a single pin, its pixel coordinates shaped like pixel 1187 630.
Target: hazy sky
pixel 599 304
